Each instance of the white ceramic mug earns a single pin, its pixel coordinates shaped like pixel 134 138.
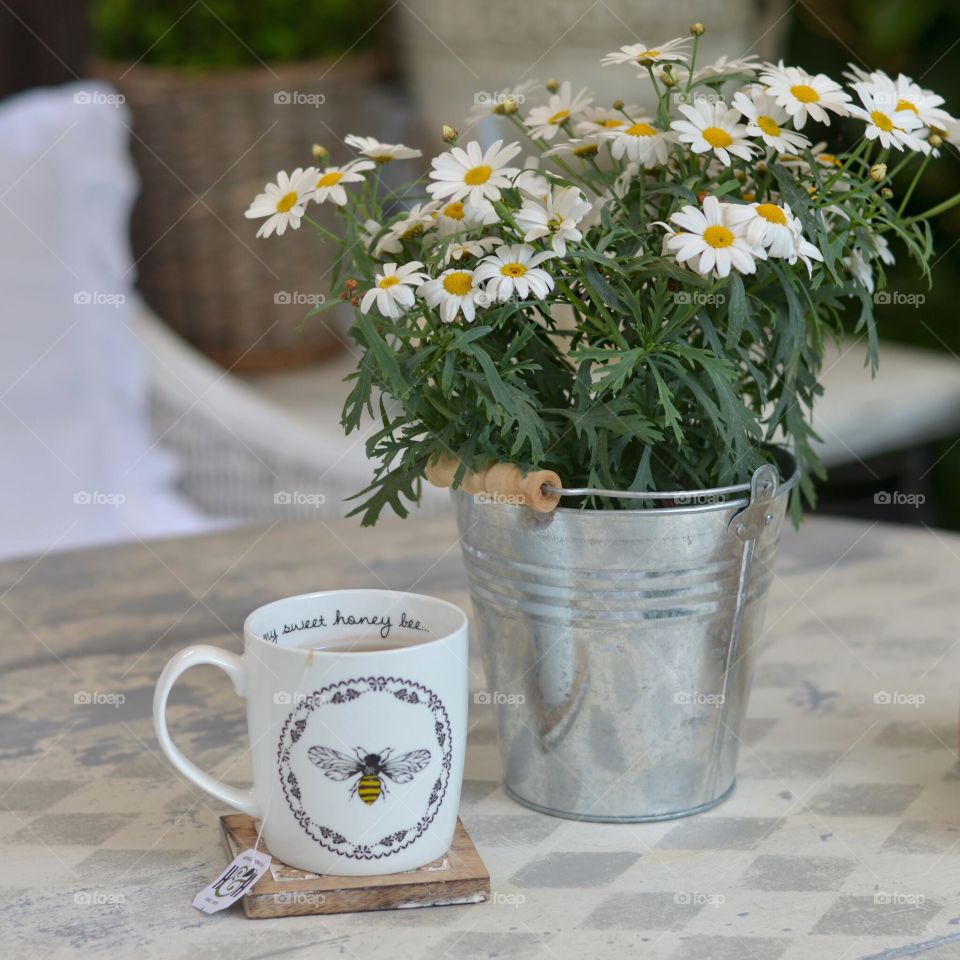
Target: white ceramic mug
pixel 357 751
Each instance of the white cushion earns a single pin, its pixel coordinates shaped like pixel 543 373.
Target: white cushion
pixel 80 464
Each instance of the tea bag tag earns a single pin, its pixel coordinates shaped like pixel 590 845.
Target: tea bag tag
pixel 242 873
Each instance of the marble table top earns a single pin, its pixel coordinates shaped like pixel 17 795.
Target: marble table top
pixel 842 839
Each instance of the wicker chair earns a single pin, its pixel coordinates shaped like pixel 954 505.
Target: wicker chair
pixel 242 455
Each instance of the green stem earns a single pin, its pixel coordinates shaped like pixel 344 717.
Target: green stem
pixel 913 184
pixel 934 211
pixel 322 230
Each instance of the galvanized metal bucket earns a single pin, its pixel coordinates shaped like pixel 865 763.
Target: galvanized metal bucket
pixel 618 644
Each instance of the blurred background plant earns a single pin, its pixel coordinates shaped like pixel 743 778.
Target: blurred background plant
pixel 160 33
pixel 919 38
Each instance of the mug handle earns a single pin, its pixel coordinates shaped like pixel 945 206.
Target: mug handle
pixel 232 665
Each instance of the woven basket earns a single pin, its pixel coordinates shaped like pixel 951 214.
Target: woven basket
pixel 204 146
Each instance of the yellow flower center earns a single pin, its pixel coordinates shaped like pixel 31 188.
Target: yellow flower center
pixel 641 130
pixel 881 120
pixel 830 160
pixel 513 269
pixel 387 282
pixel 459 283
pixel 454 210
pixel 330 179
pixel 613 122
pixel 718 237
pixel 805 93
pixel 769 126
pixel 413 231
pixel 586 149
pixel 287 202
pixel 906 105
pixel 477 175
pixel 648 54
pixel 559 116
pixel 717 137
pixel 772 213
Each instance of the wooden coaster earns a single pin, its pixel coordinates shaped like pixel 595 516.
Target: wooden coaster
pixel 457 877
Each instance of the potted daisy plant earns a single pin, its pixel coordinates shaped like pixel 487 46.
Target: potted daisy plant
pixel 638 301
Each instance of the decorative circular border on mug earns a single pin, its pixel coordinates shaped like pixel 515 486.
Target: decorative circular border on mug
pixel 347 691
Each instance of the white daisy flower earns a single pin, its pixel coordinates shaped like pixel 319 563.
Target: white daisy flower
pixel 387 244
pixel 415 221
pixel 472 173
pixel 545 121
pixel 803 94
pixel 885 121
pixel 774 228
pixel 725 66
pixel 380 152
pixel 513 271
pixel 392 290
pixel 713 126
pixel 859 267
pixel 458 217
pixel 454 291
pixel 924 103
pixel 766 118
pixel 329 184
pixel 458 249
pixel 642 143
pixel 283 202
pixel 709 244
pixel 600 119
pixel 507 100
pixel 530 181
pixel 557 218
pixel 639 54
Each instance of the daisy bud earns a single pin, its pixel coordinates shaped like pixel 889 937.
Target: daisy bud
pixel 667 78
pixel 320 153
pixel 749 197
pixel 344 295
pixel 448 134
pixel 702 195
pixel 935 141
pixel 510 106
pixel 886 193
pixel 740 175
pixel 761 166
pixel 617 104
pixel 697 30
pixel 878 172
pixel 553 85
pixel 354 301
pixel 351 284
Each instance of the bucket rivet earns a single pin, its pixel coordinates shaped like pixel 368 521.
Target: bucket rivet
pixel 768 519
pixel 741 529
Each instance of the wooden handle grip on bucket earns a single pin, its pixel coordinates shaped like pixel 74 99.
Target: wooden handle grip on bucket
pixel 501 480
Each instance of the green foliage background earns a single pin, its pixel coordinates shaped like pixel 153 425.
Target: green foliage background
pixel 216 34
pixel 920 38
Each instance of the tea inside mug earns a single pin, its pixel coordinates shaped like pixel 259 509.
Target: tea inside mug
pixel 354 644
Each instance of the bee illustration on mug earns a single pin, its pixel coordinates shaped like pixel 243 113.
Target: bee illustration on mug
pixel 369 768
